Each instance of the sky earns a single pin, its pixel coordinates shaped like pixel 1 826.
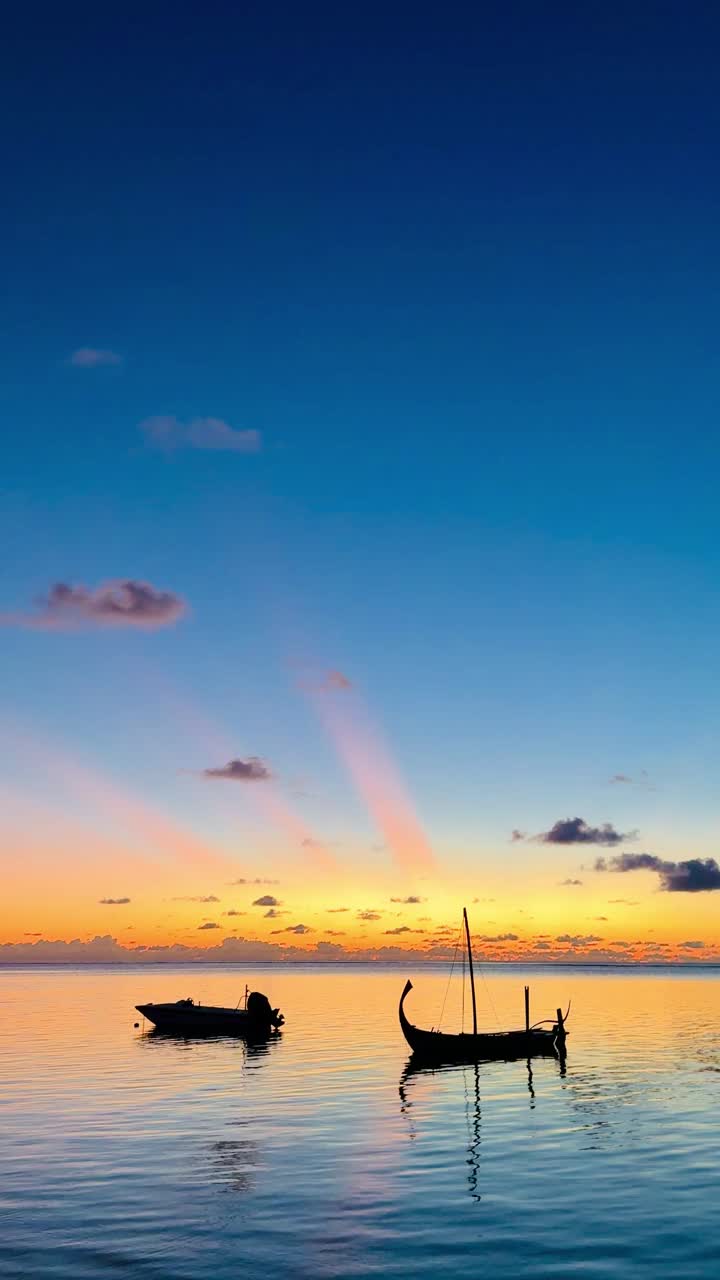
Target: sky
pixel 358 497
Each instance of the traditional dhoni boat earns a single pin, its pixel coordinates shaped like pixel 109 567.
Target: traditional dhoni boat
pixel 186 1018
pixel 544 1038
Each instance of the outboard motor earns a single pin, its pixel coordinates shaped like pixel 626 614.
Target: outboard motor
pixel 258 1007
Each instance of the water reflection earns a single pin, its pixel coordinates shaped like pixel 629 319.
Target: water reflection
pixel 250 1047
pixel 414 1069
pixel 232 1163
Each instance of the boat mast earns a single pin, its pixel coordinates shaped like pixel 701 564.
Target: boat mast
pixel 472 975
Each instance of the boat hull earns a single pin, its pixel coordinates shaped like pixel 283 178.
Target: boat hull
pixel 204 1020
pixel 501 1046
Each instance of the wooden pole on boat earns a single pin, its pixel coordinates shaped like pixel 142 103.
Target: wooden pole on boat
pixel 527 1011
pixel 472 975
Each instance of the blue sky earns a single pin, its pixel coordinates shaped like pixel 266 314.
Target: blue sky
pixel 459 270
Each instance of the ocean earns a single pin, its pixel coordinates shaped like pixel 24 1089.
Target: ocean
pixel 323 1153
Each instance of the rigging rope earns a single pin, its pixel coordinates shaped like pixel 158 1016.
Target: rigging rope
pixel 487 990
pixel 462 1025
pixel 452 967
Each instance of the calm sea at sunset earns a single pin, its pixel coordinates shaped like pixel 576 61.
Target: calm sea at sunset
pixel 321 1155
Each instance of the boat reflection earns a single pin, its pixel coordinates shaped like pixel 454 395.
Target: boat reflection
pixel 415 1069
pixel 251 1048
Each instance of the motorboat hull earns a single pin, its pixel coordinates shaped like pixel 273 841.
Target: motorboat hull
pixel 187 1019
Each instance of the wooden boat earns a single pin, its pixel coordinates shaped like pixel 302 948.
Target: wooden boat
pixel 186 1018
pixel 439 1046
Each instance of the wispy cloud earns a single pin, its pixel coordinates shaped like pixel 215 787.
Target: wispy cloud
pixel 267 900
pixel 577 940
pixel 694 875
pixel 113 902
pixel 257 880
pixel 209 924
pixel 209 898
pixel 123 602
pixel 369 915
pixel 167 432
pixel 233 912
pixel 336 680
pixel 411 900
pixel 578 831
pixel 516 835
pixel 94 358
pixel 250 770
pixel 567 884
pixel 295 928
pixel 641 780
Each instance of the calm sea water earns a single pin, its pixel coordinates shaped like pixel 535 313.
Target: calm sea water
pixel 323 1155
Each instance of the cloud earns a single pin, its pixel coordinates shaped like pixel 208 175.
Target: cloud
pixel 113 902
pixel 336 680
pixel 694 875
pixel 693 946
pixel 623 902
pixel 94 358
pixel 577 940
pixel 296 928
pixel 577 831
pixel 499 937
pixel 233 912
pixel 250 770
pixel 402 928
pixel 122 602
pixel 412 900
pixel 210 898
pixel 267 900
pixel 569 883
pixel 335 910
pixel 290 949
pixel 257 880
pixel 624 780
pixel 369 915
pixel 335 933
pixel 517 835
pixel 200 433
pixel 209 924
pixel 272 914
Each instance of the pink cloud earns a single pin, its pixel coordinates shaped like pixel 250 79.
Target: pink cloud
pixel 94 358
pixel 122 602
pixel 167 432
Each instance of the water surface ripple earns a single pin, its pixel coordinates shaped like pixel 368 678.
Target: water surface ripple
pixel 325 1153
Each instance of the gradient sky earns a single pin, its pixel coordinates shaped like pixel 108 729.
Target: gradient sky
pixel 385 343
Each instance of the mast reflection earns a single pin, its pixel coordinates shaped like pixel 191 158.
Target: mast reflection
pixel 414 1069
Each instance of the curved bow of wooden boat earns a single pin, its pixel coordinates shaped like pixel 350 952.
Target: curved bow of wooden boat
pixel 408 1029
pixel 437 1046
